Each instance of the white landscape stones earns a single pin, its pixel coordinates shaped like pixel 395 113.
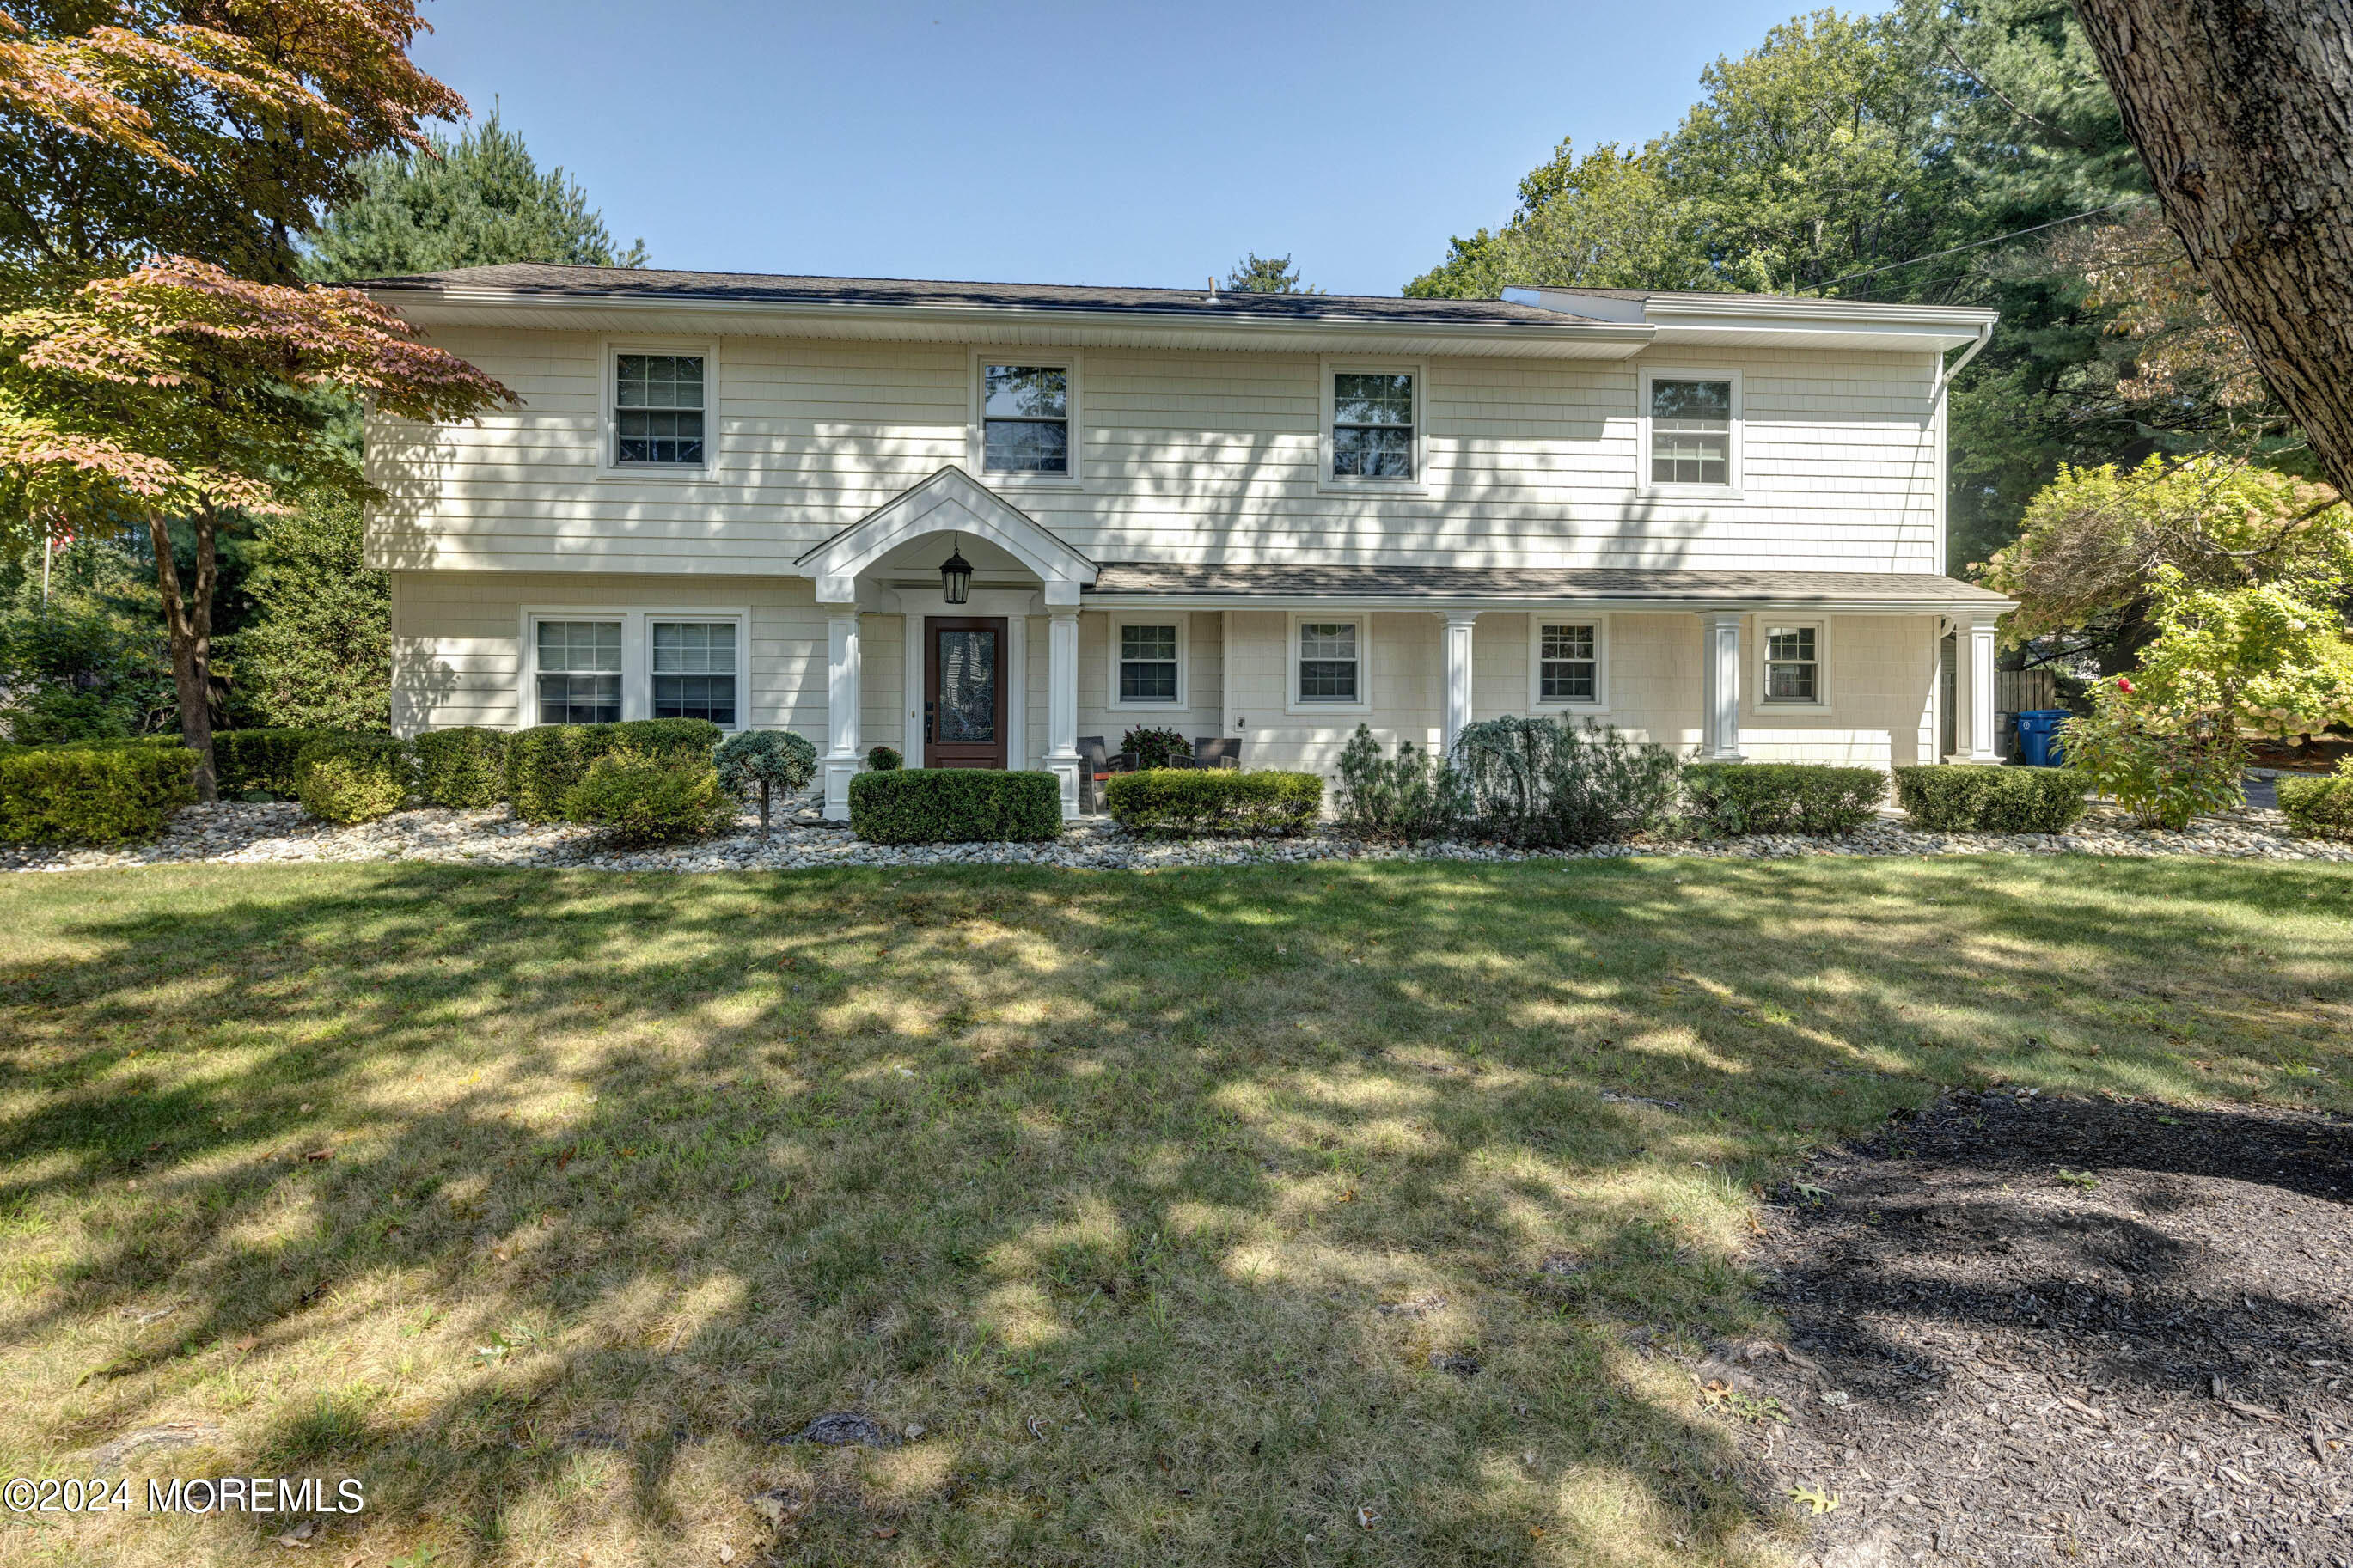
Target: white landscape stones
pixel 237 832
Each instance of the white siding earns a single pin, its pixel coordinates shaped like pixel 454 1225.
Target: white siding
pixel 1187 455
pixel 1202 714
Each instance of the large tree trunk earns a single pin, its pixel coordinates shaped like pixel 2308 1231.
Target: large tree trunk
pixel 2242 110
pixel 188 623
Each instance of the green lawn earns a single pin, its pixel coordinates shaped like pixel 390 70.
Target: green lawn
pixel 546 1203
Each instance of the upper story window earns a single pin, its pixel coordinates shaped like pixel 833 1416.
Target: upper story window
pixel 1373 427
pixel 1149 663
pixel 658 408
pixel 1025 414
pixel 1793 666
pixel 1568 662
pixel 1691 430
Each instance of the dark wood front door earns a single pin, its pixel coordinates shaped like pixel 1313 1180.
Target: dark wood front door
pixel 963 692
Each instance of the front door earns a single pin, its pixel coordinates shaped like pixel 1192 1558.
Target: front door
pixel 963 692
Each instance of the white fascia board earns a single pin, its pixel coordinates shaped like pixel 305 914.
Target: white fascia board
pixel 1377 604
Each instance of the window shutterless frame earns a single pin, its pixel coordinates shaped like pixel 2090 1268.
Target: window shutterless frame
pixel 1330 656
pixel 1025 418
pixel 1375 419
pixel 1568 662
pixel 1792 664
pixel 655 373
pixel 650 680
pixel 1146 659
pixel 1681 433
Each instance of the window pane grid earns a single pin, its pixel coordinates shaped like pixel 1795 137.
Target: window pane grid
pixel 694 670
pixel 1568 667
pixel 1372 426
pixel 1148 664
pixel 1025 420
pixel 1327 661
pixel 1792 667
pixel 579 678
pixel 658 408
pixel 1691 432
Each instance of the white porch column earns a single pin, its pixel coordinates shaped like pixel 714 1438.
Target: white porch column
pixel 1719 683
pixel 1062 703
pixel 842 758
pixel 1460 646
pixel 1973 691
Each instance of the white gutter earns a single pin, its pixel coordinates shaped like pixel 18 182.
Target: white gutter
pixel 1944 373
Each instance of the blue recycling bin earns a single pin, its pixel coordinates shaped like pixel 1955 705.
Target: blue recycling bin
pixel 2038 737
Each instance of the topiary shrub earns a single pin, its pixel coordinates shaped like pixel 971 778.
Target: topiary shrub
pixel 1197 801
pixel 885 759
pixel 547 760
pixel 2321 807
pixel 955 805
pixel 355 778
pixel 248 760
pixel 651 797
pixel 1545 783
pixel 1956 798
pixel 1409 798
pixel 464 768
pixel 93 794
pixel 766 763
pixel 1741 798
pixel 1155 747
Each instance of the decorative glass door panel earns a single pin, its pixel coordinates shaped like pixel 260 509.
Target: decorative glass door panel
pixel 964 695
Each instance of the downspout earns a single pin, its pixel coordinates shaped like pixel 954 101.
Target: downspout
pixel 1945 374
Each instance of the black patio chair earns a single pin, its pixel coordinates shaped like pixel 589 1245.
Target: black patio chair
pixel 1217 751
pixel 1097 762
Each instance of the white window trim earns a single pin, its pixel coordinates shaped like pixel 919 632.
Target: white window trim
pixel 1178 619
pixel 609 350
pixel 1731 490
pixel 1362 621
pixel 1538 701
pixel 976 432
pixel 1326 479
pixel 637 654
pixel 1825 693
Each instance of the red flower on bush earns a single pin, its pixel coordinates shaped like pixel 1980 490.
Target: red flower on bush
pixel 2123 686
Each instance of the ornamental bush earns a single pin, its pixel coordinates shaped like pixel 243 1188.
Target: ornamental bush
pixel 2321 807
pixel 1409 798
pixel 1954 798
pixel 766 763
pixel 1740 798
pixel 885 759
pixel 2163 777
pixel 1555 783
pixel 955 805
pixel 1155 748
pixel 1267 804
pixel 465 767
pixel 544 761
pixel 651 797
pixel 248 760
pixel 355 778
pixel 120 793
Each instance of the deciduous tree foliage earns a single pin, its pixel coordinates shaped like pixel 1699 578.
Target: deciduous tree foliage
pixel 1256 274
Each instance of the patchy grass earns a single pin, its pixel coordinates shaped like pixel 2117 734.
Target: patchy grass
pixel 1189 1214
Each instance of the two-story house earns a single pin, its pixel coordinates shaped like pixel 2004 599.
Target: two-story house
pixel 976 521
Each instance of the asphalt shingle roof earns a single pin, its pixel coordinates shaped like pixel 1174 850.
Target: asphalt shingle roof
pixel 1282 581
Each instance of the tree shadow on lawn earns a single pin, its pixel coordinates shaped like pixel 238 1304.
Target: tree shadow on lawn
pixel 1187 1214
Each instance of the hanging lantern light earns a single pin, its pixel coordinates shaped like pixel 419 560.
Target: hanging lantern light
pixel 956 576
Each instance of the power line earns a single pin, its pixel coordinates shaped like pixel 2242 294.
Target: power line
pixel 1973 245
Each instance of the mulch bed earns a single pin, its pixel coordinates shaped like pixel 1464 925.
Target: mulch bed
pixel 2058 1331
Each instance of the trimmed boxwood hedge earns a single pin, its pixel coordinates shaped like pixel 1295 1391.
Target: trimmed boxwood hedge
pixel 1740 798
pixel 1948 797
pixel 954 806
pixel 545 762
pixel 355 778
pixel 465 767
pixel 2318 808
pixel 93 794
pixel 247 760
pixel 1266 803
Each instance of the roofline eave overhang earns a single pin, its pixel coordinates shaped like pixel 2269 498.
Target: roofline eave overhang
pixel 1619 603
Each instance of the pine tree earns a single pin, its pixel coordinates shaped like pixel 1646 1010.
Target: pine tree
pixel 479 201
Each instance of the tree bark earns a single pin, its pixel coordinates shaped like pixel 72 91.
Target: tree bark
pixel 2242 110
pixel 188 624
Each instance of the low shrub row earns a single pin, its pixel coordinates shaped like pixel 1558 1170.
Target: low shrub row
pixel 2319 807
pixel 245 760
pixel 1962 799
pixel 1211 802
pixel 101 795
pixel 642 797
pixel 1739 799
pixel 355 778
pixel 543 763
pixel 464 768
pixel 954 806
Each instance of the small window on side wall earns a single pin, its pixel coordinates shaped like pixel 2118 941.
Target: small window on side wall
pixel 658 411
pixel 1330 665
pixel 1372 424
pixel 579 672
pixel 1025 414
pixel 1568 662
pixel 1691 432
pixel 1149 664
pixel 1792 664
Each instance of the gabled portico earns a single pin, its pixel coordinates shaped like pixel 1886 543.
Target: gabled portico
pixel 888 563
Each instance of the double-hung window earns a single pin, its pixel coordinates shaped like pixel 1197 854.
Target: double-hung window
pixel 1373 425
pixel 1690 431
pixel 1793 670
pixel 694 670
pixel 1025 420
pixel 1330 661
pixel 1149 663
pixel 1568 662
pixel 658 409
pixel 579 672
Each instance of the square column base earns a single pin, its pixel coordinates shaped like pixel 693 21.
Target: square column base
pixel 1066 774
pixel 839 772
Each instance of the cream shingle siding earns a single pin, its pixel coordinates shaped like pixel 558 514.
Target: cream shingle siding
pixel 1187 456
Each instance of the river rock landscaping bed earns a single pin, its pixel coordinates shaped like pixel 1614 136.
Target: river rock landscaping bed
pixel 2040 1331
pixel 244 833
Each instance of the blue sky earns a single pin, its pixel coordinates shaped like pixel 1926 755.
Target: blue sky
pixel 1064 144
